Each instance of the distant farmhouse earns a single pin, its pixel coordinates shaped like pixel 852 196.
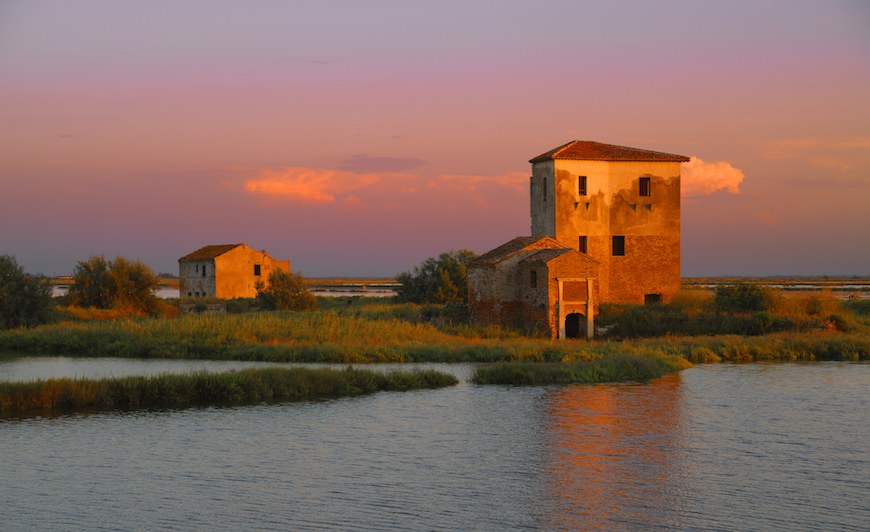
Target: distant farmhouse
pixel 605 228
pixel 226 271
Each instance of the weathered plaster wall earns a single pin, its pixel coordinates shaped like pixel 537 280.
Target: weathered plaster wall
pixel 542 184
pixel 235 272
pixel 192 283
pixel 570 266
pixel 613 206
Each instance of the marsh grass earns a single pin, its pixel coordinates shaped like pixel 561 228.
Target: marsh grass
pixel 611 368
pixel 747 310
pixel 249 386
pixel 377 331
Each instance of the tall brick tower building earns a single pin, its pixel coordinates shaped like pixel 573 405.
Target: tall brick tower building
pixel 618 205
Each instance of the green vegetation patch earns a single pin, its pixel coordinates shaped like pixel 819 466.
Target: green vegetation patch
pixel 614 368
pixel 249 386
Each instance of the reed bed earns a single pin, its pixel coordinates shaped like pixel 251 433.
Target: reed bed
pixel 250 386
pixel 381 332
pixel 612 368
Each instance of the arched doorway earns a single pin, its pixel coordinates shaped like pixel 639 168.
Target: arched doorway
pixel 575 325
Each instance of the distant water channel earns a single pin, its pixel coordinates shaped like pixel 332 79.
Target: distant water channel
pixel 724 447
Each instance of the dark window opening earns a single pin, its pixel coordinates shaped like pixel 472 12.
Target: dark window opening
pixel 190 294
pixel 652 299
pixel 618 246
pixel 203 270
pixel 644 186
pixel 581 245
pixel 257 269
pixel 544 190
pixel 581 185
pixel 533 279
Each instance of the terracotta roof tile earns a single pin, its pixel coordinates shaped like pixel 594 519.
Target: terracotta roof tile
pixel 544 256
pixel 208 252
pixel 517 245
pixel 587 150
pixel 504 250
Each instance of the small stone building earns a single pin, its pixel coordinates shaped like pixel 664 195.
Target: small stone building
pixel 535 283
pixel 226 271
pixel 617 208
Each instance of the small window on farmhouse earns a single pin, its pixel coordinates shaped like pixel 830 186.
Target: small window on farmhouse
pixel 644 186
pixel 533 279
pixel 203 270
pixel 652 299
pixel 544 190
pixel 196 268
pixel 257 269
pixel 581 244
pixel 618 246
pixel 581 185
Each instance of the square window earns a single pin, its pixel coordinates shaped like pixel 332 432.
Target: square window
pixel 257 270
pixel 645 186
pixel 581 185
pixel 618 246
pixel 581 244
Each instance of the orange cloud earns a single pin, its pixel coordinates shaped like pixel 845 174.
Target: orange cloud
pixel 819 152
pixel 310 185
pixel 699 178
pixel 515 180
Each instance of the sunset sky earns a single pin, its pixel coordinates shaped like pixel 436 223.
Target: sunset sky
pixel 357 138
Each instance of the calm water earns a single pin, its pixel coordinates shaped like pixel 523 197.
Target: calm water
pixel 719 447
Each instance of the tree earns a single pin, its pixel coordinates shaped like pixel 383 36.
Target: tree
pixel 286 291
pixel 91 283
pixel 133 285
pixel 120 283
pixel 25 300
pixel 437 280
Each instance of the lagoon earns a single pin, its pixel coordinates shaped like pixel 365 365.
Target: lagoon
pixel 756 446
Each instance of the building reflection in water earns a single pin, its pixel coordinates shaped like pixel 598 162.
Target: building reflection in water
pixel 613 454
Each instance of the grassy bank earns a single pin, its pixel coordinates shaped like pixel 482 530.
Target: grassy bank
pixel 612 368
pixel 328 336
pixel 362 330
pixel 249 386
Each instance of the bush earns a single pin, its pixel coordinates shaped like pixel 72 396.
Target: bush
pixel 286 291
pixel 25 300
pixel 437 280
pixel 118 284
pixel 744 297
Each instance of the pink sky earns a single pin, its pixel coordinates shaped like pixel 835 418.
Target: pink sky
pixel 359 138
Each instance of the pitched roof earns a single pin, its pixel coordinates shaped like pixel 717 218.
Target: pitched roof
pixel 587 150
pixel 504 250
pixel 544 256
pixel 517 245
pixel 208 252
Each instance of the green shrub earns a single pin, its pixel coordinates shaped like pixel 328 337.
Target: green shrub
pixel 118 284
pixel 286 291
pixel 744 297
pixel 437 280
pixel 25 300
